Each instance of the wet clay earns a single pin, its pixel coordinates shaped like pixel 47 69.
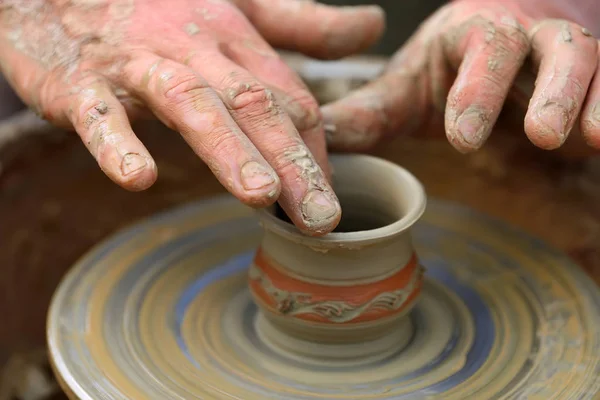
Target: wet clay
pixel 319 205
pixel 162 310
pixel 318 289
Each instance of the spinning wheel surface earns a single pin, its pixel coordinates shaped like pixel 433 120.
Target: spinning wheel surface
pixel 162 311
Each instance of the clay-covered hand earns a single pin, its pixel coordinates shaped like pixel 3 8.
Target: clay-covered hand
pixel 206 69
pixel 463 62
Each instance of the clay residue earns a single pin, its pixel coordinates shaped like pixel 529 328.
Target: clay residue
pixel 102 108
pixel 469 130
pixel 565 32
pixel 205 14
pixel 52 47
pixel 303 118
pixel 595 114
pixel 55 39
pixel 319 206
pixel 492 64
pixel 88 4
pixel 245 94
pixel 120 13
pixel 555 119
pixel 148 75
pixel 512 22
pixel 191 29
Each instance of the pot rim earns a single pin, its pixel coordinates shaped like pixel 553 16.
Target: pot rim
pixel 348 239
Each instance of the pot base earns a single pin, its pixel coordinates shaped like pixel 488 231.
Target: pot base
pixel 162 311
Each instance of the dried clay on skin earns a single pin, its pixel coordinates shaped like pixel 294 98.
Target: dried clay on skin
pixel 319 206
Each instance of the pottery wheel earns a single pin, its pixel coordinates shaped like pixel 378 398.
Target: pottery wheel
pixel 161 311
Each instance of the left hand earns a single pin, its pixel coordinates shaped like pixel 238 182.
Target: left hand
pixel 206 69
pixel 463 62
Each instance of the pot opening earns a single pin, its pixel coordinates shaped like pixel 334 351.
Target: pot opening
pixel 359 213
pixel 378 198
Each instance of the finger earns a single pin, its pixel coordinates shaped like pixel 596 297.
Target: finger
pixel 567 60
pixel 317 30
pixel 184 102
pixel 590 115
pixel 306 195
pixel 289 91
pixel 396 102
pixel 362 119
pixel 101 121
pixel 490 49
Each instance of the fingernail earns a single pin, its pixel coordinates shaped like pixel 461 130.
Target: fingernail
pixel 132 163
pixel 554 116
pixel 256 176
pixel 319 208
pixel 472 127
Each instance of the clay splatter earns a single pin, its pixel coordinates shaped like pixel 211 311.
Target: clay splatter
pixel 191 29
pixel 319 206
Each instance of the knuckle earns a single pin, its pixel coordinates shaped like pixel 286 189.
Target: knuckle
pixel 223 141
pixel 304 112
pixel 180 87
pixel 249 97
pixel 496 29
pixel 568 32
pixel 512 35
pixel 494 85
pixel 253 103
pixel 538 27
pixel 45 100
pixel 187 93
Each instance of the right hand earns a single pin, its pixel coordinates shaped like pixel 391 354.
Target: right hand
pixel 202 68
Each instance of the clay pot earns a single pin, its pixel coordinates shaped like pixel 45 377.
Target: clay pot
pixel 353 287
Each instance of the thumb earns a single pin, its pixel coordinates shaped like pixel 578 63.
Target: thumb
pixel 387 105
pixel 401 101
pixel 316 30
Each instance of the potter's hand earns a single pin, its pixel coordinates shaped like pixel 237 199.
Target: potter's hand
pixel 201 67
pixel 464 60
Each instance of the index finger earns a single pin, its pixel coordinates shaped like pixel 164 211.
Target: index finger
pixel 306 195
pixel 288 90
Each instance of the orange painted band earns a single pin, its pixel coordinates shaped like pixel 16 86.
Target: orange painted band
pixel 354 296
